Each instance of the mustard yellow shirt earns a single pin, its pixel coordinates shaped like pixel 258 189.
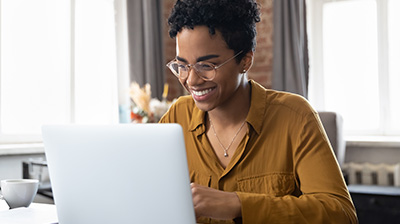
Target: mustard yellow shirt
pixel 284 170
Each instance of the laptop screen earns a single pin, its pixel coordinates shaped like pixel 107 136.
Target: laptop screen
pixel 126 173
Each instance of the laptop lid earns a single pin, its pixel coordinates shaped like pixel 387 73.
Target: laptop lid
pixel 126 173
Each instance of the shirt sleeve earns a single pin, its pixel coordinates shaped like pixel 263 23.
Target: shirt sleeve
pixel 324 196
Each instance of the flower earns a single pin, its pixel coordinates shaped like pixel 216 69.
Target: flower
pixel 144 108
pixel 141 96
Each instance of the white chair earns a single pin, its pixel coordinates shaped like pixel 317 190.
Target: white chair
pixel 333 124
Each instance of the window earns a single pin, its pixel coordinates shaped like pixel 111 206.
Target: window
pixel 354 69
pixel 57 65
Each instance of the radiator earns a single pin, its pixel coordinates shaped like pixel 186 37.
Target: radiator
pixel 372 174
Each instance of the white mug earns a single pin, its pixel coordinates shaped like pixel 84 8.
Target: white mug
pixel 19 192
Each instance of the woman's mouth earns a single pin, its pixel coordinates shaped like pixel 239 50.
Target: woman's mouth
pixel 202 92
pixel 200 95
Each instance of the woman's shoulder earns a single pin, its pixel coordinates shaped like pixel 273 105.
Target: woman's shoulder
pixel 279 99
pixel 184 104
pixel 290 101
pixel 182 108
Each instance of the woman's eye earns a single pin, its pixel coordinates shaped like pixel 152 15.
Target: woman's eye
pixel 204 66
pixel 181 67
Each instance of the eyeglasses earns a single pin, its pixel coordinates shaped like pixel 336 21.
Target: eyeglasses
pixel 203 69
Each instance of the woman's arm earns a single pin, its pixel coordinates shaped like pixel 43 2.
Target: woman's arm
pixel 323 198
pixel 215 204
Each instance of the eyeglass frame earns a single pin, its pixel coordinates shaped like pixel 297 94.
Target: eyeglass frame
pixel 190 66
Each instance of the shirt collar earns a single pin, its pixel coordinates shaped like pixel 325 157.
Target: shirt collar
pixel 257 106
pixel 197 122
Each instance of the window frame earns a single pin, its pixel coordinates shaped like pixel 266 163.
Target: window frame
pixel 8 141
pixel 317 93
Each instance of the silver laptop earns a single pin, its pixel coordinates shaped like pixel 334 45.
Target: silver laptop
pixel 127 173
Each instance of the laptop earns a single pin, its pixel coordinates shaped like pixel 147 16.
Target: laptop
pixel 125 173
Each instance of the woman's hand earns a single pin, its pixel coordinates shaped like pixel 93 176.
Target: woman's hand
pixel 216 204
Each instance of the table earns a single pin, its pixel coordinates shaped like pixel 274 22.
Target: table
pixel 36 213
pixel 376 204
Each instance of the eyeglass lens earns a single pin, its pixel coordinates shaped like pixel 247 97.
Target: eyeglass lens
pixel 204 69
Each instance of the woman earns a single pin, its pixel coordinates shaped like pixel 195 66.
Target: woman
pixel 254 155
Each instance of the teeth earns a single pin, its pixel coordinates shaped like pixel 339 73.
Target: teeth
pixel 203 92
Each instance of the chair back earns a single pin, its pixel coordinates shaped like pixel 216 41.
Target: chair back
pixel 333 124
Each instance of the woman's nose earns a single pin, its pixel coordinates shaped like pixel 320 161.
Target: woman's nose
pixel 193 78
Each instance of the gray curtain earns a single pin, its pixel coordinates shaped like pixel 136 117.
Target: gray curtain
pixel 145 44
pixel 290 60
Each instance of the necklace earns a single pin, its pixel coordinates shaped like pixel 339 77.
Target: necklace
pixel 219 141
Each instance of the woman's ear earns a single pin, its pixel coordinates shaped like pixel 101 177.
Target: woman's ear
pixel 247 61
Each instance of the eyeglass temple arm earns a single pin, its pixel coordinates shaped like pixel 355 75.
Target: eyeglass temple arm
pixel 234 56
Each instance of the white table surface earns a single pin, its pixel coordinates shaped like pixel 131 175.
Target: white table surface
pixel 36 213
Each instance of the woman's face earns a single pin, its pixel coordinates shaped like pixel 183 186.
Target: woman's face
pixel 197 45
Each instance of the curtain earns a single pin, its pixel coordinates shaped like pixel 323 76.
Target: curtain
pixel 145 44
pixel 290 60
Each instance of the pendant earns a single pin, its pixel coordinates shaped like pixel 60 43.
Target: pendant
pixel 225 154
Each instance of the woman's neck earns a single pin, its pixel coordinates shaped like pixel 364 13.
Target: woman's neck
pixel 235 110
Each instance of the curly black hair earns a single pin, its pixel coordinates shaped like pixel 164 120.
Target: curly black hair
pixel 235 19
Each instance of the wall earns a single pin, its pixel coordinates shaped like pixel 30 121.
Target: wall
pixel 262 66
pixel 372 153
pixel 11 165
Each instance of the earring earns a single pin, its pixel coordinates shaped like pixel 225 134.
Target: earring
pixel 244 71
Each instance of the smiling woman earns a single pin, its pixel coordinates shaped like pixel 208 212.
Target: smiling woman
pixel 255 155
pixel 198 47
pixel 57 65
